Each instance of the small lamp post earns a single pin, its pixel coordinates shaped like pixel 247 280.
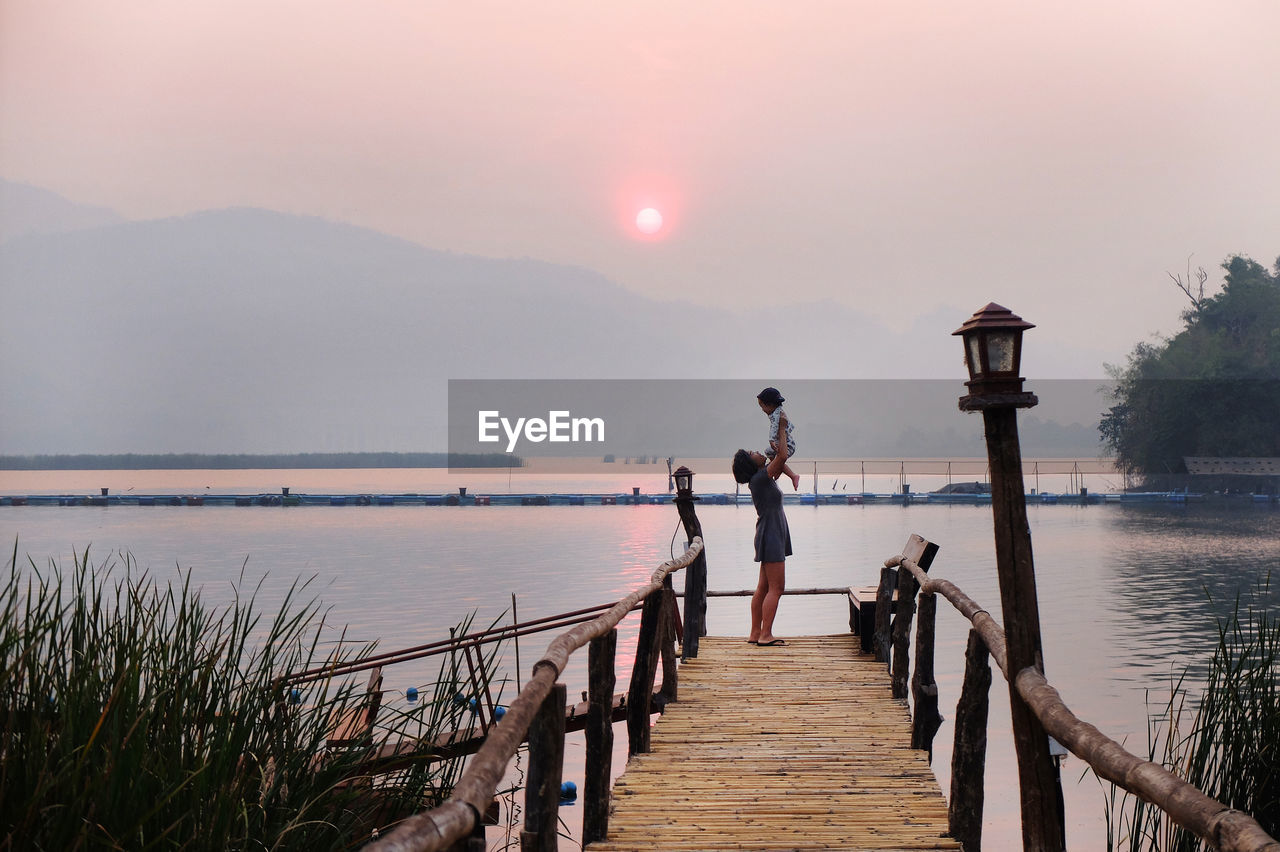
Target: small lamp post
pixel 684 481
pixel 993 355
pixel 695 576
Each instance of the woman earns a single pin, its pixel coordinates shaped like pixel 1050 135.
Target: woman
pixel 773 538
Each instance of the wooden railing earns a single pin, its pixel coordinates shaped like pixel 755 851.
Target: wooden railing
pixel 1225 829
pixel 537 713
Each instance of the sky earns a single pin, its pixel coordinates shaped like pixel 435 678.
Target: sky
pixel 1060 159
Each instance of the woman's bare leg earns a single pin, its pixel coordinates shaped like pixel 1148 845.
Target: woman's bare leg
pixel 757 606
pixel 773 578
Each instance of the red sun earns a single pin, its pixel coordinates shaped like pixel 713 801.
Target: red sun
pixel 649 221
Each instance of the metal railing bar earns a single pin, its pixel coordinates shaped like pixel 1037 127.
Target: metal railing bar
pixel 497 634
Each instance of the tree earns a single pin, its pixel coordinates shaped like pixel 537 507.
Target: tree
pixel 1213 389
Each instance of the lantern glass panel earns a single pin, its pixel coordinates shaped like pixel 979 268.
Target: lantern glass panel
pixel 974 361
pixel 1000 349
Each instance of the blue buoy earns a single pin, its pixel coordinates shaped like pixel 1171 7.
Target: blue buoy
pixel 295 696
pixel 472 705
pixel 459 699
pixel 499 712
pixel 411 694
pixel 568 792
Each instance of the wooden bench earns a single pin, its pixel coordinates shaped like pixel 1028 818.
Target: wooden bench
pixel 862 600
pixel 862 614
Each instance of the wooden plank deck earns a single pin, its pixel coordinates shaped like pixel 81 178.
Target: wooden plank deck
pixel 797 747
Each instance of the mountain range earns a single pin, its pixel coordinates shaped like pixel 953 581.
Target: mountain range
pixel 247 330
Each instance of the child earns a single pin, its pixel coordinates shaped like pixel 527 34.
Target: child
pixel 771 404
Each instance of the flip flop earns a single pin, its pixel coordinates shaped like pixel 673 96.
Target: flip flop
pixel 752 642
pixel 772 643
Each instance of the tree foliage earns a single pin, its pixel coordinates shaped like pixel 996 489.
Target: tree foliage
pixel 1213 389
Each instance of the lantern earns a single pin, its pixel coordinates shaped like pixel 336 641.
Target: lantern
pixel 993 355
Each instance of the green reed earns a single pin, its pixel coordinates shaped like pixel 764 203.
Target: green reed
pixel 136 716
pixel 1228 745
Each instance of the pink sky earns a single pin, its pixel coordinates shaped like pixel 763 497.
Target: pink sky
pixel 897 157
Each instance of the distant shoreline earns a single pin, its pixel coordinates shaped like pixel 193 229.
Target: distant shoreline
pixel 245 461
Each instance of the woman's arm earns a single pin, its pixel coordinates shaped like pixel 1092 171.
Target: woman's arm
pixel 779 460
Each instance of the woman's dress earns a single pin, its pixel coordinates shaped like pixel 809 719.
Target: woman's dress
pixel 773 538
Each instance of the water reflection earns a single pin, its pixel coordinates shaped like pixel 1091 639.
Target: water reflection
pixel 1178 570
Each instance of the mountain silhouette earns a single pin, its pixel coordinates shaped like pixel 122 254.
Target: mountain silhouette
pixel 245 330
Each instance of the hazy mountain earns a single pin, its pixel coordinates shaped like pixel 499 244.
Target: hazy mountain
pixel 250 331
pixel 26 210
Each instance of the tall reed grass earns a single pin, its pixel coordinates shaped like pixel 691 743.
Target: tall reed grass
pixel 1226 743
pixel 136 716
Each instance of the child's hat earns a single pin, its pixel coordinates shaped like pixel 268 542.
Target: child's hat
pixel 770 396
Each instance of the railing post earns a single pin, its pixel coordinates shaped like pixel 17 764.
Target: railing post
pixel 643 673
pixel 599 734
pixel 695 576
pixel 969 750
pixel 924 690
pixel 905 608
pixel 667 637
pixel 546 767
pixel 1042 816
pixel 884 598
pixel 903 583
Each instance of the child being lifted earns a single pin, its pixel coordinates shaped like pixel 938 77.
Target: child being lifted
pixel 780 429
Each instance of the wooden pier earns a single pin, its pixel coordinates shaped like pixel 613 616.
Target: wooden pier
pixel 804 746
pixel 795 747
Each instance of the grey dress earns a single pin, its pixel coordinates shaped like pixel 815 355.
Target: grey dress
pixel 773 538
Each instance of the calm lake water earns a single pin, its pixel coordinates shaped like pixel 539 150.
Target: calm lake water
pixel 1128 593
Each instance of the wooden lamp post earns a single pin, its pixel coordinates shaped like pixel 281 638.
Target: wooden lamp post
pixel 695 576
pixel 993 354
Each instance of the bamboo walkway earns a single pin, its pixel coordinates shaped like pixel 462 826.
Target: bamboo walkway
pixel 797 747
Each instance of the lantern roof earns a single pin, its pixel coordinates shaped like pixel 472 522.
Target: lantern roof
pixel 993 316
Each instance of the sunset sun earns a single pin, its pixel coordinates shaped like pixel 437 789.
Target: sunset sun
pixel 649 221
